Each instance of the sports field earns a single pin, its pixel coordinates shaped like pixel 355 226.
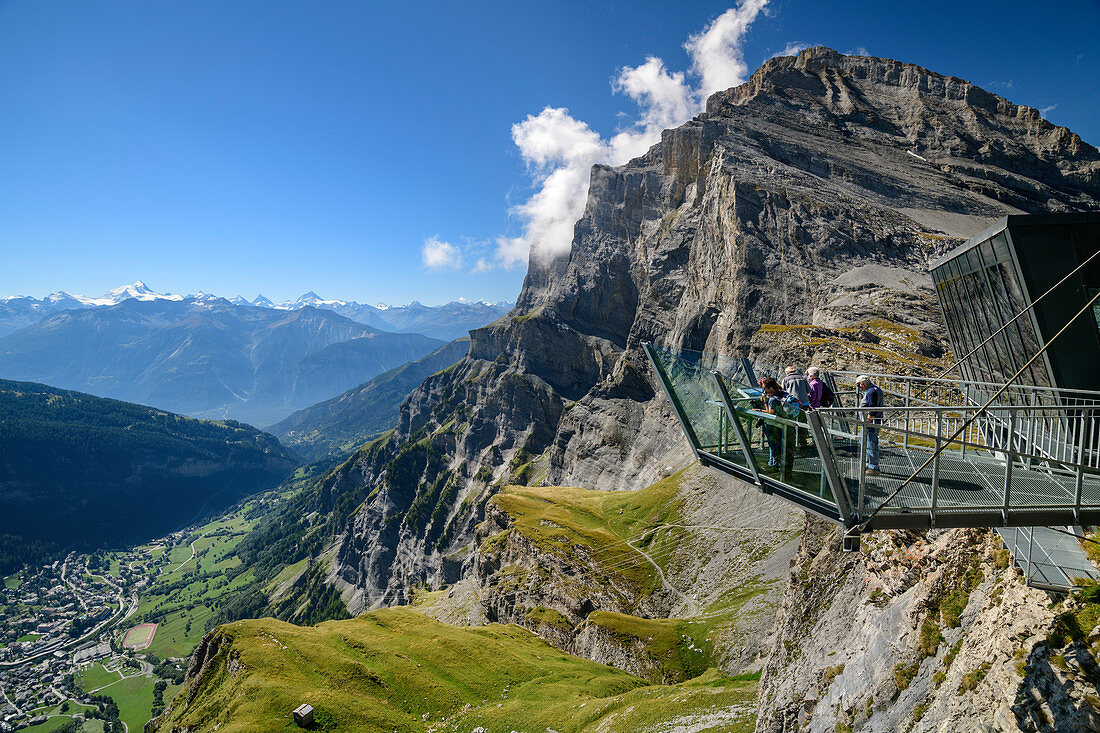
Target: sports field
pixel 140 637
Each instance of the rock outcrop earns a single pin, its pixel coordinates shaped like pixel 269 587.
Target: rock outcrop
pixel 923 633
pixel 715 566
pixel 815 194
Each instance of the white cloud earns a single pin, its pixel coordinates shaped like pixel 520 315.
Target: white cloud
pixel 795 48
pixel 439 255
pixel 1044 110
pixel 560 149
pixel 554 138
pixel 716 53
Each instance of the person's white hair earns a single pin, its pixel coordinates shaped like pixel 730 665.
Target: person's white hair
pixel 813 372
pixel 791 370
pixel 863 378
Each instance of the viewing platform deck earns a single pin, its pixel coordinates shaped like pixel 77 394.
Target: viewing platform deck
pixel 1033 460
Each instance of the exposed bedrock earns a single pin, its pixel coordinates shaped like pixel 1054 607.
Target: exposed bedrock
pixel 815 194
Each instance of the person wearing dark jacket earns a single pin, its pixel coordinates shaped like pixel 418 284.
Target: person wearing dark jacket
pixel 872 397
pixel 780 437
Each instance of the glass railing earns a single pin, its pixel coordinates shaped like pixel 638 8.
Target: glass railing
pixel 1007 460
pixel 724 419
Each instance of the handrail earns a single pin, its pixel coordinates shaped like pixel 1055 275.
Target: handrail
pixel 955 382
pixel 1005 448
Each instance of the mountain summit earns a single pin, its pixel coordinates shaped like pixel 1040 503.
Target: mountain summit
pixel 137 290
pixel 815 193
pixel 793 221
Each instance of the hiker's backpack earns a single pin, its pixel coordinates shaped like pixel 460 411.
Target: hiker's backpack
pixel 792 406
pixel 827 396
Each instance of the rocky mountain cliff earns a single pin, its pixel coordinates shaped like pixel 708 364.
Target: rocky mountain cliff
pixel 814 196
pixel 816 193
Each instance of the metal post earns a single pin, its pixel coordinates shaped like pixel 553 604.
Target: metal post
pixel 1080 468
pixel 862 460
pixel 1008 462
pixel 824 445
pixel 1030 545
pixel 908 404
pixel 962 438
pixel 1028 447
pixel 936 467
pixel 731 411
pixel 750 374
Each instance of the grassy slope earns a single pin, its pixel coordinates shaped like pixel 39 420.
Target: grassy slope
pixel 395 669
pixel 172 606
pixel 582 525
pixel 591 528
pixel 95 677
pixel 52 724
pixel 134 695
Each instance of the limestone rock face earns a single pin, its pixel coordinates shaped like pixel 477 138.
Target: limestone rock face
pixel 814 194
pixel 920 633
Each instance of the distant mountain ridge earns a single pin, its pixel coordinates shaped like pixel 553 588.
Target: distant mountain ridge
pixel 333 429
pixel 205 357
pixel 446 322
pixel 82 471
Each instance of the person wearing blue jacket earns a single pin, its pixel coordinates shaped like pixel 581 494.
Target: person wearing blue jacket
pixel 872 397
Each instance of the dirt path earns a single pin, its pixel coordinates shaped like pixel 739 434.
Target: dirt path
pixel 169 572
pixel 689 602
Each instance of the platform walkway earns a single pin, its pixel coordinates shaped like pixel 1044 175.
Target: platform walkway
pixel 1033 462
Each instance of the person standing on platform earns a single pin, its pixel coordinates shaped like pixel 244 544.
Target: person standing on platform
pixel 795 384
pixel 817 387
pixel 780 436
pixel 872 397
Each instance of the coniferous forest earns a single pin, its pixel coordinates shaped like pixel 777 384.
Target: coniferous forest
pixel 79 472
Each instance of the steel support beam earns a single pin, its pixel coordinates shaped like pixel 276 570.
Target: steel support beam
pixel 731 412
pixel 828 463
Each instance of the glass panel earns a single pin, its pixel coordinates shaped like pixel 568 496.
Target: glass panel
pixel 729 439
pixel 1026 331
pixel 694 394
pixel 1008 343
pixel 1000 249
pixel 987 309
pixel 981 309
pixel 966 329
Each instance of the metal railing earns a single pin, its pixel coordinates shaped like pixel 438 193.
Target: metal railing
pixel 908 390
pixel 1061 425
pixel 1014 465
pixel 1024 459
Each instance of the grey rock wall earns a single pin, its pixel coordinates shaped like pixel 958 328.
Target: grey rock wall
pixel 816 193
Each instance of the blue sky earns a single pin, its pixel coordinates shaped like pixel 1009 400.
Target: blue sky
pixel 277 147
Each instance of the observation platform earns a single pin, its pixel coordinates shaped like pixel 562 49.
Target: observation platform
pixel 1034 460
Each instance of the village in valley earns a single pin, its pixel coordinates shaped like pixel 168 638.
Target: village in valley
pixel 99 642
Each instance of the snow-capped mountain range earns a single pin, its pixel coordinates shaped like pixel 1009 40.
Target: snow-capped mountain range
pixel 444 321
pixel 62 300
